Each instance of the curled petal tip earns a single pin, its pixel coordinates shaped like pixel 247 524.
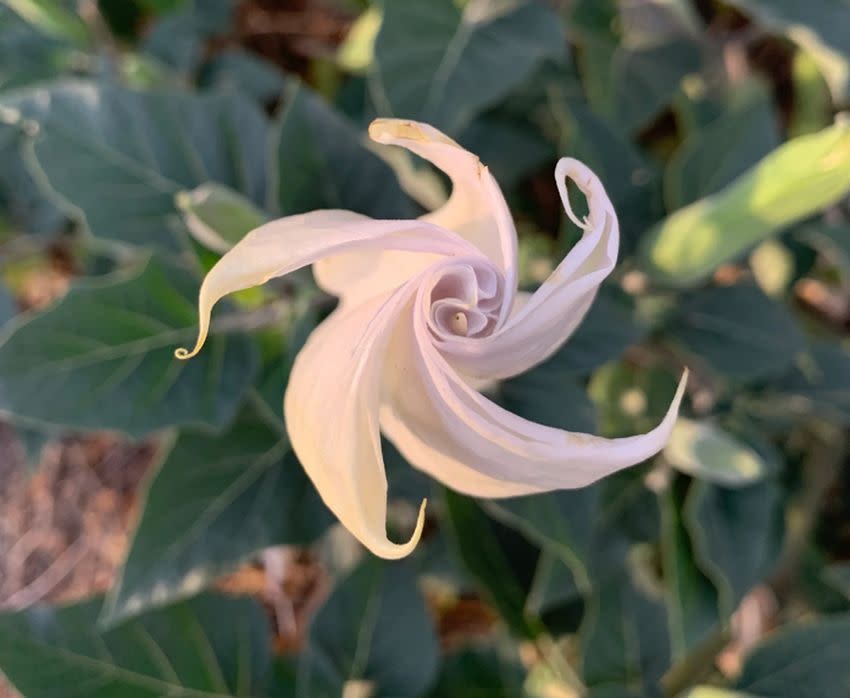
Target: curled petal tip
pixel 183 353
pixel 396 551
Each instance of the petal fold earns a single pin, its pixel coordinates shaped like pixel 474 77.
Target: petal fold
pixel 284 245
pixel 331 410
pixel 547 319
pixel 460 437
pixel 475 210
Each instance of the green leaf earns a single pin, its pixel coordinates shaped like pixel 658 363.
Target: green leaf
pixel 119 157
pixel 798 179
pixel 594 25
pixel 650 22
pixel 624 637
pixel 804 661
pixel 551 395
pixel 562 522
pixel 631 180
pixel 818 26
pixel 832 241
pixel 838 577
pixel 615 691
pixel 211 647
pixel 644 80
pixel 322 162
pixel 443 65
pixel 812 109
pixel 713 157
pixel 607 331
pixel 511 150
pixel 22 203
pixel 162 6
pixel 217 216
pixel 26 54
pixel 478 547
pixel 736 535
pixel 819 386
pixel 373 627
pixel 631 72
pixel 692 600
pixel 479 673
pixel 215 501
pixel 631 400
pixel 178 39
pixel 242 71
pixel 8 305
pixel 738 331
pixel 105 357
pixel 53 17
pixel 707 452
pixel 554 586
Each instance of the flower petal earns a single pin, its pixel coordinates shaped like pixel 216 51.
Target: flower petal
pixel 542 324
pixel 445 427
pixel 287 244
pixel 331 410
pixel 411 421
pixel 357 276
pixel 476 210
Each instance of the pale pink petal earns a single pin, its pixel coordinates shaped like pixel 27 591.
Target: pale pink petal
pixel 411 421
pixel 543 323
pixel 445 427
pixel 287 244
pixel 331 410
pixel 476 210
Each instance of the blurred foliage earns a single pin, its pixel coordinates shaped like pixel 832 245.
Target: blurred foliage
pixel 138 138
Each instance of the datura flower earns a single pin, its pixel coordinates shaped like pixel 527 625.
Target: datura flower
pixel 429 312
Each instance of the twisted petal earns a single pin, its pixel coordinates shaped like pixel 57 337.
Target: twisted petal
pixel 476 210
pixel 417 426
pixel 287 244
pixel 331 409
pixel 443 426
pixel 548 318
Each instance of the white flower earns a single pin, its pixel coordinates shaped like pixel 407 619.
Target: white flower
pixel 428 310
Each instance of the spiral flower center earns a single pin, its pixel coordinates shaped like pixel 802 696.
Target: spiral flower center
pixel 464 299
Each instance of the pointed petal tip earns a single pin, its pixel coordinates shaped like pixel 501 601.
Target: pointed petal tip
pixel 396 551
pixel 683 382
pixel 672 415
pixel 390 131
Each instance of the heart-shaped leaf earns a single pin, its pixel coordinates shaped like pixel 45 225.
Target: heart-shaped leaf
pixel 211 647
pixel 103 358
pixel 215 501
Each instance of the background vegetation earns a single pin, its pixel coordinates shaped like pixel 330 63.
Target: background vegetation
pixel 718 569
